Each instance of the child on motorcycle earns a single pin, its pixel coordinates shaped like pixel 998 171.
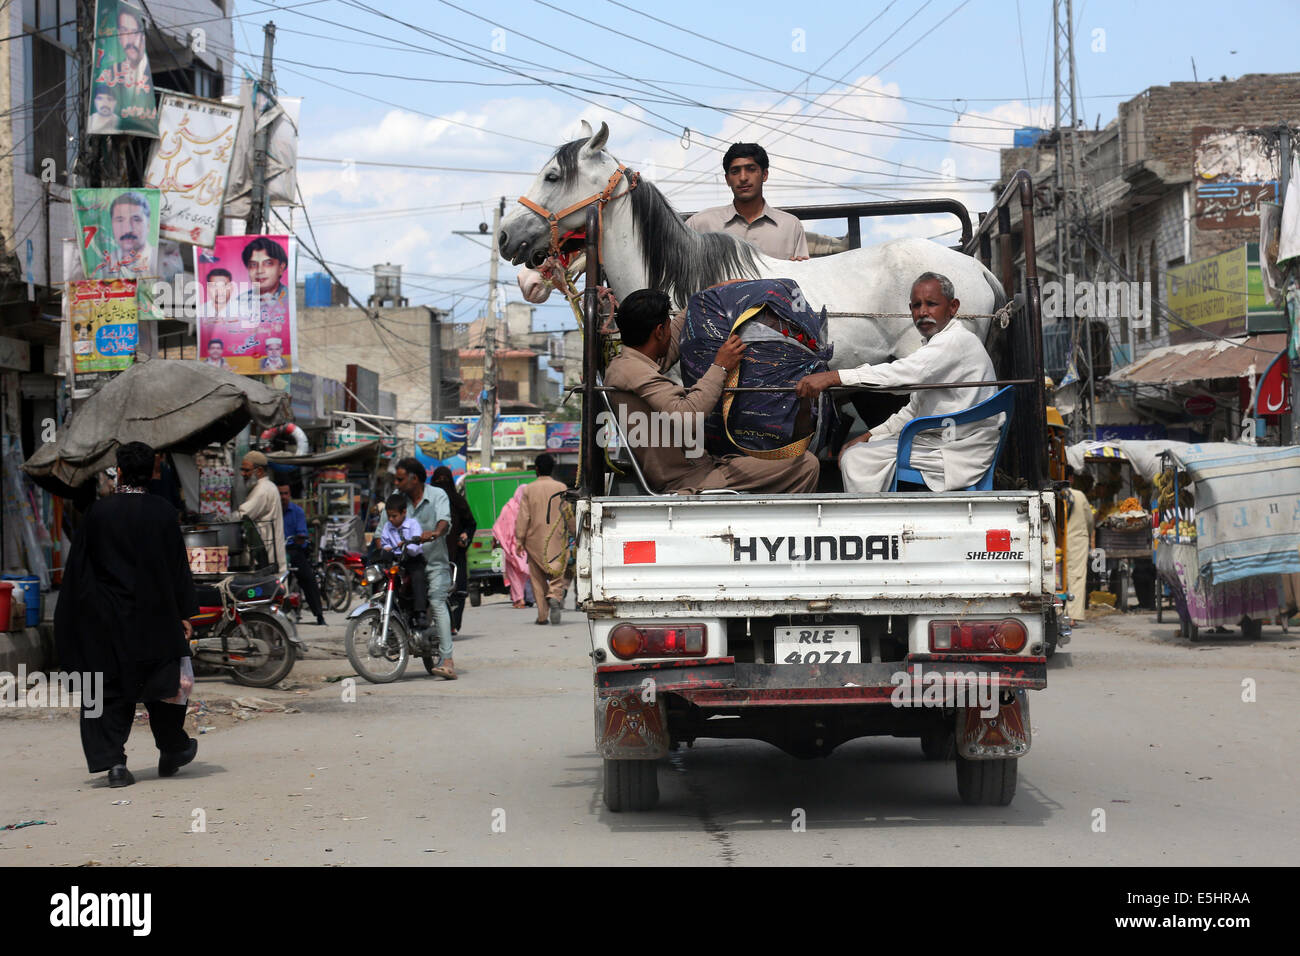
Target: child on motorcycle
pixel 399 528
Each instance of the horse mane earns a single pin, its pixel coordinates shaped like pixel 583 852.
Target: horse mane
pixel 678 260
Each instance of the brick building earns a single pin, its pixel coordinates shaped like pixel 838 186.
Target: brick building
pixel 1152 187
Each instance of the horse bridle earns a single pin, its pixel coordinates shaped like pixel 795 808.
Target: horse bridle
pixel 600 198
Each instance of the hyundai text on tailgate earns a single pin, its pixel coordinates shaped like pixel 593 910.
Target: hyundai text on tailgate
pixel 809 620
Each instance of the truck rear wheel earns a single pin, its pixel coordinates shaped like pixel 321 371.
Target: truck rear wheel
pixel 475 595
pixel 986 783
pixel 631 785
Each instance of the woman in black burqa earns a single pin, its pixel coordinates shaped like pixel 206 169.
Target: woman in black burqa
pixel 458 541
pixel 124 611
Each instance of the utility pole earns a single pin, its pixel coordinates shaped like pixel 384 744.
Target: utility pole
pixel 1067 182
pixel 488 423
pixel 261 139
pixel 435 364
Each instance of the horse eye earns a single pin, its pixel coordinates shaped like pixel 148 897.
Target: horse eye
pixel 552 177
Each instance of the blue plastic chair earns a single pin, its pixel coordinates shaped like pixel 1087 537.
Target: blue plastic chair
pixel 1001 403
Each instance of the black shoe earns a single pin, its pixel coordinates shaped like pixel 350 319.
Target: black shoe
pixel 168 764
pixel 119 776
pixel 320 622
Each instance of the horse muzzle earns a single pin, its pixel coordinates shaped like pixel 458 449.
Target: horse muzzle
pixel 523 244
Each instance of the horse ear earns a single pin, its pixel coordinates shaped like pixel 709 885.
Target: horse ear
pixel 585 129
pixel 597 142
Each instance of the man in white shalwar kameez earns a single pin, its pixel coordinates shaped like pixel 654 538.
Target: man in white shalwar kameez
pixel 948 458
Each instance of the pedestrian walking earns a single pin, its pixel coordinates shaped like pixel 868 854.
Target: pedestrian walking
pixel 124 612
pixel 514 560
pixel 1079 542
pixel 462 533
pixel 542 529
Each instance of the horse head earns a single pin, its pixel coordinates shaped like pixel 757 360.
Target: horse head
pixel 579 170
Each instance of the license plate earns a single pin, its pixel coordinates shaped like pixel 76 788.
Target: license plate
pixel 817 645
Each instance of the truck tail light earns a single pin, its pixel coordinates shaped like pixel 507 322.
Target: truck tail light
pixel 670 640
pixel 1007 636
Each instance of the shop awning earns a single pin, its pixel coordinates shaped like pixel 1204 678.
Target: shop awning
pixel 1201 361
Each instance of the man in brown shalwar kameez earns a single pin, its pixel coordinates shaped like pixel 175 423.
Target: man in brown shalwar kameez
pixel 545 541
pixel 650 348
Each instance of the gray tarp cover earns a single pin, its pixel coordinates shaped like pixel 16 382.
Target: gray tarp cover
pixel 166 403
pixel 336 456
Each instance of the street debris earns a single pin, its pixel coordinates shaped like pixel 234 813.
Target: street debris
pixel 24 823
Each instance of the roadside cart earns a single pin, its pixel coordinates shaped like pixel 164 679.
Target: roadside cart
pixel 1123 524
pixel 1181 554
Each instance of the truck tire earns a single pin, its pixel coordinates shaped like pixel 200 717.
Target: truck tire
pixel 1252 629
pixel 986 783
pixel 475 595
pixel 631 785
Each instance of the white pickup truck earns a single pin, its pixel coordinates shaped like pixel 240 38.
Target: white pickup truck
pixel 810 620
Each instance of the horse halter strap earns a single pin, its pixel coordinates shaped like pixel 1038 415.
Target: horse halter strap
pixel 600 198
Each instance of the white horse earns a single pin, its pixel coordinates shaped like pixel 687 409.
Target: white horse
pixel 645 244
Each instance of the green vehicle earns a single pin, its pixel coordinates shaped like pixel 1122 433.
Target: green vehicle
pixel 488 493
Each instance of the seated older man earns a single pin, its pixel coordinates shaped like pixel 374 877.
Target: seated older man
pixel 948 458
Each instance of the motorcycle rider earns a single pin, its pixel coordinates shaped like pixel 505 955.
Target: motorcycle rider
pixel 401 528
pixel 433 511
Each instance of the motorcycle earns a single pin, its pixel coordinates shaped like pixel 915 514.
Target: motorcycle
pixel 380 638
pixel 343 573
pixel 240 628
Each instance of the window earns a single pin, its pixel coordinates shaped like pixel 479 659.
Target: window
pixel 197 80
pixel 1124 316
pixel 51 84
pixel 1141 277
pixel 1155 292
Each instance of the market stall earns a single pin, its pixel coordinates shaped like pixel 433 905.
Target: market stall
pixel 1228 532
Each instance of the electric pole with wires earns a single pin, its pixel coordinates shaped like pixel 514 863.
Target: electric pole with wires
pixel 1069 204
pixel 257 210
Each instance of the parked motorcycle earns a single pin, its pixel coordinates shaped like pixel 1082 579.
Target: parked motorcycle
pixel 343 576
pixel 381 638
pixel 241 629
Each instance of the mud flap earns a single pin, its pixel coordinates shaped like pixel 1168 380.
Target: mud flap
pixel 629 727
pixel 1006 734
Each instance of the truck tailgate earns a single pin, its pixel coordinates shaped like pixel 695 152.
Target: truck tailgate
pixel 956 545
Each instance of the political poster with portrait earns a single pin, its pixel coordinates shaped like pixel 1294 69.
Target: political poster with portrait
pixel 441 443
pixel 117 233
pixel 121 95
pixel 190 165
pixel 104 329
pixel 246 311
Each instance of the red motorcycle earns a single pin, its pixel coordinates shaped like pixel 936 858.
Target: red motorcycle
pixel 241 629
pixel 343 574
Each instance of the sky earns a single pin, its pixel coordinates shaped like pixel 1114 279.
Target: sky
pixel 879 100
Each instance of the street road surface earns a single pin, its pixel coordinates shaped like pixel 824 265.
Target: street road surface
pixel 1138 730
